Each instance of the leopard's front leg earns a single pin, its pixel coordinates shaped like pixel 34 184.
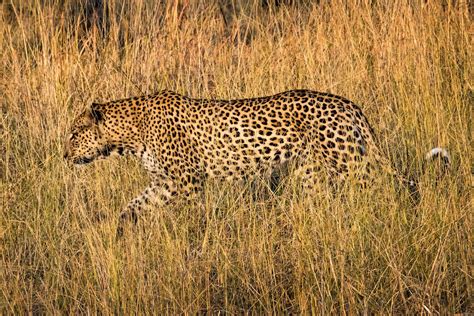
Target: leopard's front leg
pixel 157 194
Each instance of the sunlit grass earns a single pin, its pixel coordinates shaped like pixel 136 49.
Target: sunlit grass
pixel 237 247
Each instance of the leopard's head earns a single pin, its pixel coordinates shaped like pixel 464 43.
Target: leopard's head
pixel 85 142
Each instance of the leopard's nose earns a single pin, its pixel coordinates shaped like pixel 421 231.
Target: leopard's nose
pixel 66 153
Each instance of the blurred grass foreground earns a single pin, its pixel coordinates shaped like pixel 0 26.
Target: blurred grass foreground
pixel 409 64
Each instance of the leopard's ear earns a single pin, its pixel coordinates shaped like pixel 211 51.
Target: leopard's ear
pixel 96 113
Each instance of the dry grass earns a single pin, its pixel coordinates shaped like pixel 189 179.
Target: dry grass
pixel 408 63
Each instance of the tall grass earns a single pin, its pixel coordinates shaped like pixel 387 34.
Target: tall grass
pixel 409 64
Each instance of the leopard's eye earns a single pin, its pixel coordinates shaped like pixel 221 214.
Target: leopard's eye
pixel 72 135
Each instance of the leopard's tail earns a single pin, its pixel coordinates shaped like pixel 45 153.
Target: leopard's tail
pixel 435 153
pixel 441 153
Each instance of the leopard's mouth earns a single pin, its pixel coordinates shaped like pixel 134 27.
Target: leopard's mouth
pixel 101 153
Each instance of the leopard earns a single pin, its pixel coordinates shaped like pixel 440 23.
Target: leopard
pixel 182 141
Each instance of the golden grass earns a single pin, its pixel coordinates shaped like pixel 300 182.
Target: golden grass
pixel 409 64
